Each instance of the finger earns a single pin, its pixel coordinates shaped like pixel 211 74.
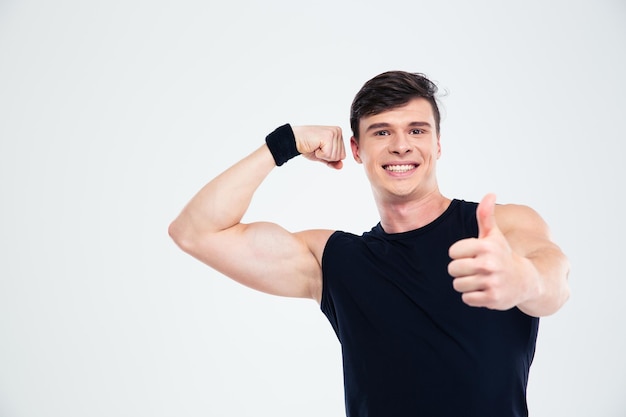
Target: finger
pixel 332 150
pixel 464 248
pixel 463 267
pixel 475 299
pixel 485 214
pixel 335 164
pixel 325 154
pixel 467 285
pixel 340 149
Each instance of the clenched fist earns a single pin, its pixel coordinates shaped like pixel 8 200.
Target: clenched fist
pixel 321 143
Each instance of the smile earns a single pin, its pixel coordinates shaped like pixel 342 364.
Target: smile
pixel 399 168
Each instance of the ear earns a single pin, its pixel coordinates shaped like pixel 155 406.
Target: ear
pixel 438 146
pixel 354 144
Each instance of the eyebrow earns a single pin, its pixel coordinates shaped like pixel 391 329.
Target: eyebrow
pixel 386 125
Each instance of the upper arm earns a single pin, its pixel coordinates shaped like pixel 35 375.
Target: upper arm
pixel 266 257
pixel 526 232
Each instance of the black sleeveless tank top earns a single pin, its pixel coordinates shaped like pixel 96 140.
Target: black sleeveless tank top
pixel 410 346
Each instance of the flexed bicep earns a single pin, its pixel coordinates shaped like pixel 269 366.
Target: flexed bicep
pixel 263 256
pixel 266 257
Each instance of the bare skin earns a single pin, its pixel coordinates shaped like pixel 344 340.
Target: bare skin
pixel 276 261
pixel 512 263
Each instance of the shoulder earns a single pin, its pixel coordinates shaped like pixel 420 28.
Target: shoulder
pixel 315 240
pixel 512 217
pixel 523 228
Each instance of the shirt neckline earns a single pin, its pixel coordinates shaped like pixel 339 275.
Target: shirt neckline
pixel 380 232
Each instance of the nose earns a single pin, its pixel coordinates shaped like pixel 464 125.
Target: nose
pixel 400 145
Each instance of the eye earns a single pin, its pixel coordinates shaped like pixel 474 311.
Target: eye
pixel 416 131
pixel 381 133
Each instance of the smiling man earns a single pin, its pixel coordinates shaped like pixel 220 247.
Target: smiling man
pixel 437 306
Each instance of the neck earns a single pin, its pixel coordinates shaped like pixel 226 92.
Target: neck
pixel 403 216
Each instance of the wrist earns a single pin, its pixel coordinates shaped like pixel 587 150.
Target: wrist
pixel 282 144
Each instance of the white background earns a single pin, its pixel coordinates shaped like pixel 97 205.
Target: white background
pixel 113 114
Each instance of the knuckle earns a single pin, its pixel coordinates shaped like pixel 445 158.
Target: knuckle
pixel 488 264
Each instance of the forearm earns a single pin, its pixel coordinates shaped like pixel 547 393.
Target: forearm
pixel 222 203
pixel 548 277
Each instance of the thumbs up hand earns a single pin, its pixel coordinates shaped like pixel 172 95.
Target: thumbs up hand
pixel 486 271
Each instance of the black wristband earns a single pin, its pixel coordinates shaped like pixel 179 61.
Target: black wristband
pixel 282 144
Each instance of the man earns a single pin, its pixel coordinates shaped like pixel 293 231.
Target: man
pixel 437 307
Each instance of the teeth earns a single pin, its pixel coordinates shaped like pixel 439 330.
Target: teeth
pixel 399 168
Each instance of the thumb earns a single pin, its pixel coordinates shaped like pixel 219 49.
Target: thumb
pixel 485 216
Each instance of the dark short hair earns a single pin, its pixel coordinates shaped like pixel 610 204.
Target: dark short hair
pixel 390 90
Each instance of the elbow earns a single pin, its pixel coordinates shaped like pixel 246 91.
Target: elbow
pixel 559 301
pixel 180 235
pixel 559 297
pixel 174 231
pixel 192 235
pixel 564 288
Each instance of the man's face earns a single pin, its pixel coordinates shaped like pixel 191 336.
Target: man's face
pixel 399 149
